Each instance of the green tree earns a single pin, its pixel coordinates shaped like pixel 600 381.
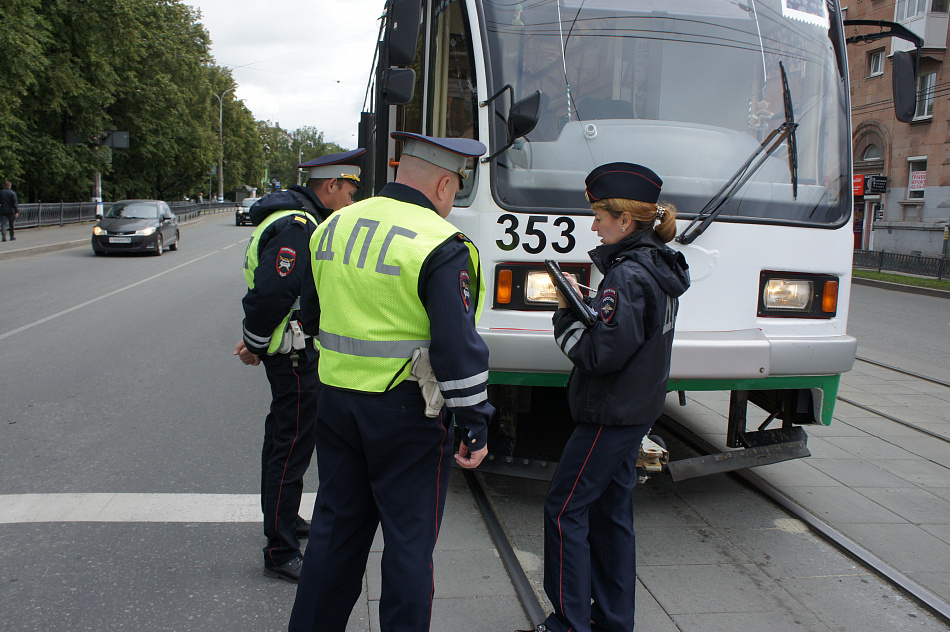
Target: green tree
pixel 284 150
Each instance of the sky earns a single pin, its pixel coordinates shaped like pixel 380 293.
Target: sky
pixel 297 62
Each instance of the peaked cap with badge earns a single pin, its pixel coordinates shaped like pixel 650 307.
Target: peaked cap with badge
pixel 346 165
pixel 448 153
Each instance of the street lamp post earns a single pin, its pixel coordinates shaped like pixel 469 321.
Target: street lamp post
pixel 221 143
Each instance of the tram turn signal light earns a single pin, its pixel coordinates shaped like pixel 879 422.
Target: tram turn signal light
pixel 829 298
pixel 503 287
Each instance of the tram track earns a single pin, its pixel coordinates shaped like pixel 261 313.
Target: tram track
pixel 934 604
pixel 907 424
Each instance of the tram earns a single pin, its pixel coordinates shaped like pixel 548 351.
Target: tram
pixel 741 106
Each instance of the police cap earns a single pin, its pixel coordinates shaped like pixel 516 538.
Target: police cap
pixel 623 180
pixel 346 165
pixel 448 153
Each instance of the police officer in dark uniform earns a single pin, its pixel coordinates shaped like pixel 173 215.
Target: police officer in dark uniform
pixel 276 264
pixel 616 392
pixel 398 290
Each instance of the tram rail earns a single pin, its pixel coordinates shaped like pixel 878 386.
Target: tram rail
pixel 907 424
pixel 934 604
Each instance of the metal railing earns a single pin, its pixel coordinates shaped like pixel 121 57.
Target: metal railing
pixel 917 265
pixel 62 213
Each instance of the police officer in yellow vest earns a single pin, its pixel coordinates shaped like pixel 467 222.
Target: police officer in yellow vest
pixel 398 290
pixel 276 264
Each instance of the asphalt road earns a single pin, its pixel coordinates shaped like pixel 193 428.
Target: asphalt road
pixel 118 378
pixel 906 330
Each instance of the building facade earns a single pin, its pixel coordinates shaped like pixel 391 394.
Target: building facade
pixel 901 170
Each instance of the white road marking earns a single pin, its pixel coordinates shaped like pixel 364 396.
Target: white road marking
pixel 99 298
pixel 23 508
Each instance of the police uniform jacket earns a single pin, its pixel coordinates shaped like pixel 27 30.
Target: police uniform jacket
pixel 458 354
pixel 283 262
pixel 622 362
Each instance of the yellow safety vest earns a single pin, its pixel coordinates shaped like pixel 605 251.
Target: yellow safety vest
pixel 251 261
pixel 366 263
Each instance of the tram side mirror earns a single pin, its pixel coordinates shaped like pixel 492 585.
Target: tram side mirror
pixel 403 36
pixel 523 116
pixel 904 85
pixel 399 85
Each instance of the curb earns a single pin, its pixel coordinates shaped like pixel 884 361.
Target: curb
pixel 898 287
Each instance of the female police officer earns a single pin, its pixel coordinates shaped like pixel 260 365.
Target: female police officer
pixel 616 392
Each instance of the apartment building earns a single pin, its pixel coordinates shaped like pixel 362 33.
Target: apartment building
pixel 901 170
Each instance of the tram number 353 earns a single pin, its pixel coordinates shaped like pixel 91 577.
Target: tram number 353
pixel 535 240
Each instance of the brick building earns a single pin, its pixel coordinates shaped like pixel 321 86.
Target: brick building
pixel 910 213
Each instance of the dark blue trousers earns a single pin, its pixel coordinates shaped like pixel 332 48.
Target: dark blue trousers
pixel 381 462
pixel 589 543
pixel 288 447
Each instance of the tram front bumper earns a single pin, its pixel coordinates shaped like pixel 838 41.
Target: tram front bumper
pixel 750 354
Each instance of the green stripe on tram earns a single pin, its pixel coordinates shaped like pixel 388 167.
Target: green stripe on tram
pixel 827 383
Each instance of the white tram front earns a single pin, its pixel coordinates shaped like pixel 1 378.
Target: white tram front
pixel 741 107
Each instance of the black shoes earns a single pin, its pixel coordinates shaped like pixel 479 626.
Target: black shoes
pixel 303 529
pixel 288 570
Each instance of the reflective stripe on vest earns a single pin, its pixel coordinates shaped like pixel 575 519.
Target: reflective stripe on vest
pixel 251 261
pixel 367 260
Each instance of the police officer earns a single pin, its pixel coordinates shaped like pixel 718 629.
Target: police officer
pixel 399 290
pixel 616 392
pixel 276 264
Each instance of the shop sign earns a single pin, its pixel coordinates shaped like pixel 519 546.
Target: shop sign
pixel 858 184
pixel 918 181
pixel 876 184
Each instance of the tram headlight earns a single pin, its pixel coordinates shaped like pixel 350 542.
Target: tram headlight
pixel 797 295
pixel 788 295
pixel 539 288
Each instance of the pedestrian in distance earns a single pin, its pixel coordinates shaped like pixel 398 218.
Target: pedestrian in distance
pixel 616 392
pixel 9 210
pixel 395 296
pixel 276 265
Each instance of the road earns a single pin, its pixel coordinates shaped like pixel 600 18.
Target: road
pixel 118 378
pixel 120 403
pixel 905 330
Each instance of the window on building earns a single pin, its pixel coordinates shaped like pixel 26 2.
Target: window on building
pixel 917 180
pixel 910 8
pixel 876 63
pixel 941 6
pixel 926 85
pixel 871 152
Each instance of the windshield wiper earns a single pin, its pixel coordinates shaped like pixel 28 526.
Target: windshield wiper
pixel 774 140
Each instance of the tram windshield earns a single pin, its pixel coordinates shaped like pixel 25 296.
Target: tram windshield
pixel 689 88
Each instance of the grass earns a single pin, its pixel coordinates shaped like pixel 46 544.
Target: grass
pixel 902 279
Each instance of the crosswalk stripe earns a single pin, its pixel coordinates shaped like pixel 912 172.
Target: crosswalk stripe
pixel 23 508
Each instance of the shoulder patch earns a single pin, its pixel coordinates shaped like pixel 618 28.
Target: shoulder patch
pixel 608 304
pixel 286 259
pixel 465 289
pixel 462 237
pixel 301 219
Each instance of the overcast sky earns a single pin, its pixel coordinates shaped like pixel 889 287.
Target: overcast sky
pixel 297 62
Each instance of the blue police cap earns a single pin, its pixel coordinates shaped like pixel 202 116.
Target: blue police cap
pixel 346 165
pixel 623 180
pixel 448 153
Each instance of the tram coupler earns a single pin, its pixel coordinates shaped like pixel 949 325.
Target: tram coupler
pixel 764 448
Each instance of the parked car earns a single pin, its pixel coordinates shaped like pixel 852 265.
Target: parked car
pixel 243 214
pixel 137 226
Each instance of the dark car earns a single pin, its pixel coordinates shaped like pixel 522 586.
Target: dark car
pixel 136 226
pixel 243 214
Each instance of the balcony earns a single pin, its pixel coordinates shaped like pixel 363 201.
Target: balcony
pixel 932 26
